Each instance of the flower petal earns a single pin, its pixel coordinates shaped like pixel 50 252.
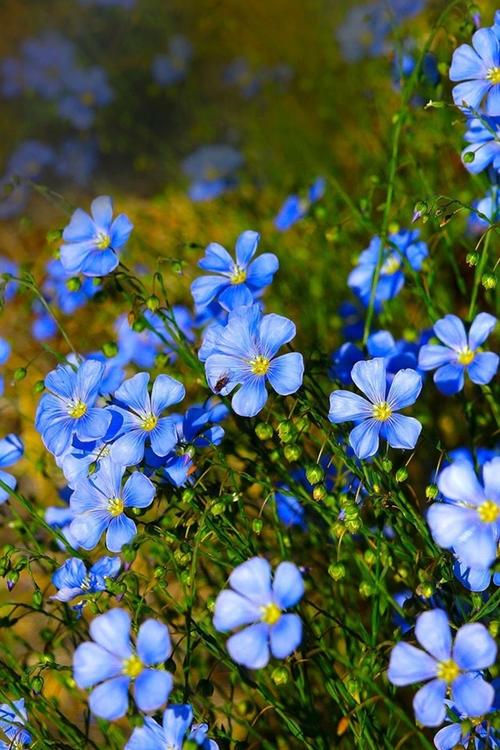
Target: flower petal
pixel 121 531
pixel 152 689
pixel 364 439
pixel 128 450
pixel 253 580
pixel 133 393
pixel 482 325
pixel 233 610
pixel 285 636
pixel 261 271
pixel 112 632
pixel 166 392
pixel 404 389
pixel 472 695
pixel 138 491
pixel 450 330
pixel 110 699
pixel 409 664
pixel 102 211
pixel 246 247
pixel 288 585
pixel 87 528
pixel 401 431
pixel 429 705
pixel 148 737
pixel 216 259
pixel 274 331
pixel 153 642
pixel 448 737
pixel 286 373
pixel 449 379
pixel 433 633
pixel 250 399
pixel 93 663
pixel 346 406
pixel 206 288
pixel 370 378
pixel 431 356
pixel 474 647
pixel 448 523
pixel 483 368
pixel 250 647
pixel 164 436
pixel 459 482
pixel 466 64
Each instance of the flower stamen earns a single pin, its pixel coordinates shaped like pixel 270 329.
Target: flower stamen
pixel 447 670
pixel 238 275
pixel 132 667
pixel 115 506
pixel 78 409
pixel 260 365
pixel 102 241
pixel 149 422
pixel 493 75
pixel 466 356
pixel 382 411
pixel 271 613
pixel 488 511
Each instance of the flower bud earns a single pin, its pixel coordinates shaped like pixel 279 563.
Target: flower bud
pixel 73 284
pixel 472 259
pixel 402 474
pixel 468 158
pixel 314 474
pixel 264 431
pixel 279 676
pixel 257 525
pixel 336 571
pixel 110 349
pixel 20 373
pixel 431 491
pixel 488 281
pixel 39 386
pixel 153 303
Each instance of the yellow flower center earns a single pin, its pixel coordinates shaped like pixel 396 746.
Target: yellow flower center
pixel 447 671
pixel 211 173
pixel 115 506
pixel 493 75
pixel 488 511
pixel 87 98
pixel 149 422
pixel 238 276
pixel 391 265
pixel 271 613
pixel 132 667
pixel 77 410
pixel 382 411
pixel 102 241
pixel 260 365
pixel 466 356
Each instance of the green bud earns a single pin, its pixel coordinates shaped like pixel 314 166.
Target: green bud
pixel 468 157
pixel 353 526
pixel 96 281
pixel 110 349
pixel 128 552
pixel 37 685
pixel 431 491
pixel 315 474
pixel 279 676
pixel 472 259
pixel 264 431
pixel 488 281
pixel 139 325
pixel 188 495
pixel 370 557
pixel 39 386
pixel 336 571
pixel 292 452
pixel 366 589
pixel 319 492
pixel 302 424
pixel 20 373
pixel 338 529
pixel 274 456
pixel 73 284
pixel 257 525
pixel 387 465
pixel 37 598
pixel 54 235
pixel 152 302
pixel 402 474
pixel 425 589
pixel 494 628
pixel 217 508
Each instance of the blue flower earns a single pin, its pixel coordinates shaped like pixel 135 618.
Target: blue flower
pixel 177 728
pixel 245 355
pixel 76 160
pixel 13 717
pixel 489 207
pixel 258 602
pixel 5 350
pixel 457 735
pixel 479 69
pixel 99 504
pixel 290 511
pixel 469 521
pixel 86 90
pixel 46 62
pixel 73 579
pixel 60 519
pixel 475 579
pixel 92 242
pixel 239 73
pixel 113 664
pixel 11 450
pixel 55 288
pixel 295 208
pixel 211 170
pixel 403 247
pixel 460 354
pixel 172 68
pixel 377 416
pixel 238 282
pixel 194 430
pixel 141 417
pixel 484 136
pixel 8 288
pixel 453 667
pixel 69 410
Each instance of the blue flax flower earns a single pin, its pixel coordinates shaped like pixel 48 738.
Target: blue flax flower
pixel 259 602
pixel 99 504
pixel 172 68
pixel 376 416
pixel 12 721
pixel 69 409
pixel 11 450
pixel 238 282
pixel 92 242
pixel 176 729
pixel 73 579
pixel 86 90
pixel 483 135
pixel 460 354
pixel 403 247
pixel 469 522
pixel 295 207
pixel 479 69
pixel 141 417
pixel 244 355
pixel 211 170
pixel 475 579
pixel 445 667
pixel 113 664
pixel 461 735
pixel 489 208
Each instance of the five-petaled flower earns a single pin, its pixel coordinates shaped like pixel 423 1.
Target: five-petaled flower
pixel 376 415
pixel 73 579
pixel 260 603
pixel 238 282
pixel 469 522
pixel 69 409
pixel 112 663
pixel 99 504
pixel 445 666
pixel 460 354
pixel 91 243
pixel 245 355
pixel 13 717
pixel 141 418
pixel 11 450
pixel 177 727
pixel 479 69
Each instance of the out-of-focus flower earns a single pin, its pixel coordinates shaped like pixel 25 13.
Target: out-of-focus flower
pixel 11 450
pixel 172 67
pixel 211 170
